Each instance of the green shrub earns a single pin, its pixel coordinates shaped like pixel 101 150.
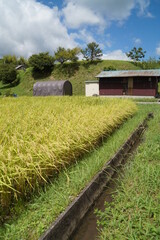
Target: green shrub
pixel 41 62
pixel 7 73
pixel 110 68
pixel 151 63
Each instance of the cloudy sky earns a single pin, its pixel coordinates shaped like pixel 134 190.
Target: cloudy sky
pixel 33 26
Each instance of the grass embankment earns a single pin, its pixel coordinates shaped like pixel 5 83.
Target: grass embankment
pixel 146 100
pixel 135 210
pixel 25 86
pixel 30 220
pixel 77 73
pixel 39 136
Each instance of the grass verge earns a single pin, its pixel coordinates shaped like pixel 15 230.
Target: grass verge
pixel 30 220
pixel 145 99
pixel 135 210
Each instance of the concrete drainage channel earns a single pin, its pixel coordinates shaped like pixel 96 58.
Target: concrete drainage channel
pixel 66 224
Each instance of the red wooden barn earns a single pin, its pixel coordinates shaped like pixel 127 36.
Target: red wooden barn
pixel 132 82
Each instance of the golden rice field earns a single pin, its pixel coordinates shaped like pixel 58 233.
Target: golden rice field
pixel 39 136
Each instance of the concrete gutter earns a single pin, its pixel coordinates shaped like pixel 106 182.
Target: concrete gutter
pixel 68 221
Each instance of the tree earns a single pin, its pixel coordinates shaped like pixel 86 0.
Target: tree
pixel 41 62
pixel 22 61
pixel 7 73
pixel 9 59
pixel 61 55
pixel 92 52
pixel 73 54
pixel 136 54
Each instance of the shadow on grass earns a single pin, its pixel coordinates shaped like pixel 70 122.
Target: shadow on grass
pixel 10 85
pixel 69 69
pixel 41 75
pixel 87 64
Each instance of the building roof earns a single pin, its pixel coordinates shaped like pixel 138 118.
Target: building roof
pixel 92 81
pixel 19 67
pixel 130 73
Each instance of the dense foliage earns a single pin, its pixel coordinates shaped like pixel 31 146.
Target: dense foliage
pixel 41 62
pixel 63 55
pixel 151 63
pixel 9 59
pixel 8 73
pixel 12 59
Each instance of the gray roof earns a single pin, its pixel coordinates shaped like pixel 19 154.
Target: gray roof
pixel 92 81
pixel 130 73
pixel 19 66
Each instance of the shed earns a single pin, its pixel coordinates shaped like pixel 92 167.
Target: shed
pixel 131 83
pixel 52 88
pixel 91 88
pixel 20 67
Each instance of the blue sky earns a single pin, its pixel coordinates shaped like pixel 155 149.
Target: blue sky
pixel 32 26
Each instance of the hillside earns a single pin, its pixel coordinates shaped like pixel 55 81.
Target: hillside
pixel 77 73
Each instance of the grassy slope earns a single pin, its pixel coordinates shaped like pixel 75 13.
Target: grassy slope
pixel 77 73
pixel 34 218
pixel 25 87
pixel 135 212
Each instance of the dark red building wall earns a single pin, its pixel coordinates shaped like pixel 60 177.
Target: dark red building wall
pixel 142 86
pixel 145 86
pixel 110 86
pixel 144 83
pixel 144 92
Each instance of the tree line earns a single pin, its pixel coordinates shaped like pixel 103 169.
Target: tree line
pixel 44 62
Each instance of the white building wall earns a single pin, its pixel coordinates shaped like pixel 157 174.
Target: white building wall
pixel 91 88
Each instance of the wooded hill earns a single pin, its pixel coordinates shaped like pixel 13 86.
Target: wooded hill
pixel 77 73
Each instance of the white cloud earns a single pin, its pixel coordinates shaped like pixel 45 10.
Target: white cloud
pixel 112 9
pixel 102 12
pixel 115 55
pixel 28 27
pixel 158 50
pixel 76 16
pixel 85 36
pixel 143 6
pixel 109 44
pixel 137 41
pixel 149 15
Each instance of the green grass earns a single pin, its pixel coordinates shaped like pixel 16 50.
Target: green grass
pixel 145 100
pixel 24 88
pixel 77 73
pixel 30 220
pixel 135 210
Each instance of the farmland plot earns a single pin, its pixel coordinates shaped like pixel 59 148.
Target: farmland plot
pixel 39 136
